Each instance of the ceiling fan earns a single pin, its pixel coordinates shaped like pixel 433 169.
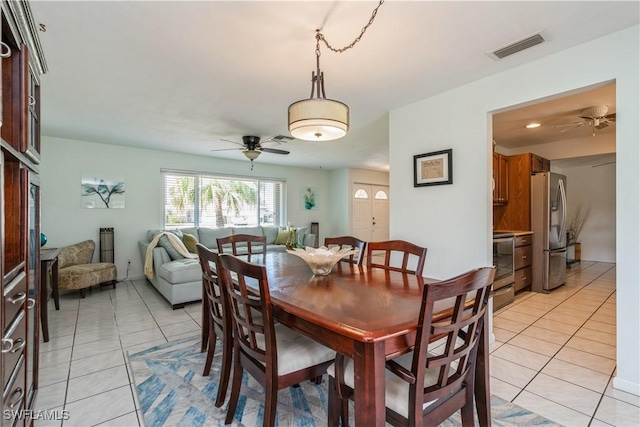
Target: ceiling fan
pixel 252 148
pixel 596 117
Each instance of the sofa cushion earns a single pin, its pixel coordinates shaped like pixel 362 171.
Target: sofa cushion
pixel 152 233
pixel 300 232
pixel 181 271
pixel 190 230
pixel 271 233
pixel 251 231
pixel 209 236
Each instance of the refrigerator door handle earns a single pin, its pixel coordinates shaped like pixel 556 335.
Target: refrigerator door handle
pixel 563 198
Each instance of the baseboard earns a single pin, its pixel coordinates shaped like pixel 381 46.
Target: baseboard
pixel 626 386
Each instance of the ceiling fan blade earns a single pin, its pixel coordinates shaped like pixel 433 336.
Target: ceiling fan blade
pixel 602 125
pixel 228 149
pixel 611 117
pixel 233 142
pixel 573 124
pixel 603 164
pixel 273 150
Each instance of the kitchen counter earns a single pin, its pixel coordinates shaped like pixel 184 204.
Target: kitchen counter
pixel 516 233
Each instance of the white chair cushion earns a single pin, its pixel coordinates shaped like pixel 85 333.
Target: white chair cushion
pixel 295 351
pixel 396 390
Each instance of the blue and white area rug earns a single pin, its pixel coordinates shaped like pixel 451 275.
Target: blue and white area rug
pixel 172 392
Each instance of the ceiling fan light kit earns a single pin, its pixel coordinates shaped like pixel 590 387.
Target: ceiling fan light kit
pixel 251 154
pixel 319 118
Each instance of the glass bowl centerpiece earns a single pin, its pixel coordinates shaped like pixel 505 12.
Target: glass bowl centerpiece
pixel 322 259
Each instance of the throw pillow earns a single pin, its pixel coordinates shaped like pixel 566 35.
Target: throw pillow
pixel 190 241
pixel 283 236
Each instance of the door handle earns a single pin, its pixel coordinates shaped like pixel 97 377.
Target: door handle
pixel 18 298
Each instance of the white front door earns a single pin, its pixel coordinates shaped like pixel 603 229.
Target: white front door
pixel 380 213
pixel 370 220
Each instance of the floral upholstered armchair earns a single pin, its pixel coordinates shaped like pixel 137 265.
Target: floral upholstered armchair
pixel 76 271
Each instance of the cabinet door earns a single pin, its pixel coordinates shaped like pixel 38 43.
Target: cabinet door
pixel 503 172
pixel 540 164
pixel 33 117
pixel 500 179
pixel 33 286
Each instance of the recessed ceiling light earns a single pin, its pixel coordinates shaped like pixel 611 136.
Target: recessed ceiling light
pixel 532 125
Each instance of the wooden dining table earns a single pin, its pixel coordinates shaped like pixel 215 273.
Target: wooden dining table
pixel 369 315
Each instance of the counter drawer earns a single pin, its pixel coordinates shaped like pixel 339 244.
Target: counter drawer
pixel 522 257
pixel 523 278
pixel 15 294
pixel 503 296
pixel 523 240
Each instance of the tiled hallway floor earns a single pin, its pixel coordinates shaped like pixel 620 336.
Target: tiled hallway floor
pixel 554 354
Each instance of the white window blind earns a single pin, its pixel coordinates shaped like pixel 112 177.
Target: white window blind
pixel 194 199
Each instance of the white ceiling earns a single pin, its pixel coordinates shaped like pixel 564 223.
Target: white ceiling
pixel 179 76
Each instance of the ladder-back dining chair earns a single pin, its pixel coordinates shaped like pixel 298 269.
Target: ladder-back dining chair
pixel 254 247
pixel 393 248
pixel 429 384
pixel 218 320
pixel 348 241
pixel 276 356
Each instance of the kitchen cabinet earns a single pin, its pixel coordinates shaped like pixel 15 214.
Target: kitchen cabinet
pixel 21 64
pixel 540 164
pixel 516 215
pixel 500 179
pixel 522 260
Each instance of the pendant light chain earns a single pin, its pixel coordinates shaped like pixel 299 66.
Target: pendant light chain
pixel 320 36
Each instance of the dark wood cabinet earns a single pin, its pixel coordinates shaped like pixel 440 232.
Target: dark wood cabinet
pixel 540 164
pixel 500 179
pixel 21 64
pixel 516 215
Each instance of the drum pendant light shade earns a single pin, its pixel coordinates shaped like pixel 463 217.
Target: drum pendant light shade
pixel 318 119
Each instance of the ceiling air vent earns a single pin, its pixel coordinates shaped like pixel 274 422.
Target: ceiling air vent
pixel 520 45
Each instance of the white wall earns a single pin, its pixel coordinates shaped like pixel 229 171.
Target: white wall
pixel 340 211
pixel 64 221
pixel 594 187
pixel 454 221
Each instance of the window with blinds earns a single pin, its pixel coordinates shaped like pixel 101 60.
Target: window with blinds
pixel 193 199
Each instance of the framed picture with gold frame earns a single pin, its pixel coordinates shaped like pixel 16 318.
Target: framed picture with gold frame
pixel 434 168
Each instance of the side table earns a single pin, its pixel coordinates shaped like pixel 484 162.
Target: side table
pixel 48 277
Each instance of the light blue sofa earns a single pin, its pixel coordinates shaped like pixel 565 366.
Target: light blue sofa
pixel 179 279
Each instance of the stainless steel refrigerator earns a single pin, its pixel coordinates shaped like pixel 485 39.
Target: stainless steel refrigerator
pixel 549 225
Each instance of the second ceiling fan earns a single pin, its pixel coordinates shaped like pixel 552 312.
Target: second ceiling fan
pixel 594 117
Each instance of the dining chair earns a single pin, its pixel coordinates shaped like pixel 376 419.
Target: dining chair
pixel 348 241
pixel 276 356
pixel 218 320
pixel 408 251
pixel 427 385
pixel 255 247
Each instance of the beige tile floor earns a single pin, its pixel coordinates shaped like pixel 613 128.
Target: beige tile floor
pixel 554 354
